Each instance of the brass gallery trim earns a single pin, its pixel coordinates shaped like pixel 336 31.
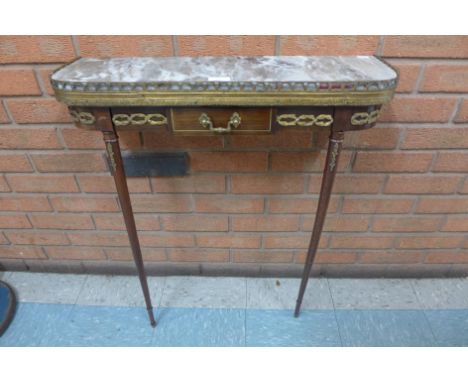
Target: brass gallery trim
pixel 139 119
pixel 82 117
pixel 304 120
pixel 208 132
pixel 224 99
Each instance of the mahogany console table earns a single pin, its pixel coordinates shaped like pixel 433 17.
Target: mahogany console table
pixel 225 95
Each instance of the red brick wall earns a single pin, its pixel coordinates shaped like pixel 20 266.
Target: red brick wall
pixel 400 197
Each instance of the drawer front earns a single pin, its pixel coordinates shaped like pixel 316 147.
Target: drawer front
pixel 225 120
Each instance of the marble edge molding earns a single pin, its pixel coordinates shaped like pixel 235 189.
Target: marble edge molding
pixel 255 93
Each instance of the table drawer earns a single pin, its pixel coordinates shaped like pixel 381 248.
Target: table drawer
pixel 217 120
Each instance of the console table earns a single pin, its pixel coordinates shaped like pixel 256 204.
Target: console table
pixel 225 95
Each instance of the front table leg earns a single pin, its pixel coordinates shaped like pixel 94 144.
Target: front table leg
pixel 334 148
pixel 113 150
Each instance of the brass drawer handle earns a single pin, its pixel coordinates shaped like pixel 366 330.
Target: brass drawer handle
pixel 233 122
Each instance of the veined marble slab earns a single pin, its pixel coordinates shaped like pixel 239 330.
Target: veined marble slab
pixel 226 74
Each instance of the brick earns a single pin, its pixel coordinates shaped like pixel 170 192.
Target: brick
pixel 406 224
pixel 462 114
pixel 99 239
pixel 329 257
pixel 3 115
pixel 21 252
pixel 199 255
pixel 75 253
pixel 361 242
pixel 428 242
pixel 35 49
pixel 408 76
pixel 259 256
pixel 329 45
pixel 392 162
pixel 413 184
pixel 90 139
pixel 227 204
pixel 228 241
pixel 457 257
pixel 164 139
pixel 377 138
pixel 455 224
pixel 29 138
pixel 439 205
pixel 69 162
pixel 436 138
pixel 451 162
pixel 165 240
pixel 14 163
pixel 284 138
pixel 84 204
pixel 24 203
pixel 106 184
pixel 291 242
pixel 376 205
pixel 42 183
pixel 226 45
pixel 267 184
pixel 339 224
pixel 15 82
pixel 350 184
pixel 44 74
pixel 116 222
pixel 125 254
pixel 195 223
pixel 37 238
pixel 418 109
pixel 445 78
pixel 426 46
pixel 62 221
pixel 14 221
pixel 3 185
pixel 299 205
pixel 3 239
pixel 386 257
pixel 190 184
pixel 162 203
pixel 125 46
pixel 229 161
pixel 38 110
pixel 265 223
pixel 464 189
pixel 305 161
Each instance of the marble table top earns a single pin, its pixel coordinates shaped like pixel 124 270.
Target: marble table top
pixel 223 75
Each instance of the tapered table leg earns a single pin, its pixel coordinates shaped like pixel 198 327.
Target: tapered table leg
pixel 334 149
pixel 113 150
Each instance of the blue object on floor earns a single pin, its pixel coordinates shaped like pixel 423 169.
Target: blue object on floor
pixel 280 328
pixel 200 327
pixel 450 326
pixel 384 328
pixel 7 306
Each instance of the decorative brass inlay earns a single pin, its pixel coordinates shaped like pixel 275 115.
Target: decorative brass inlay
pixel 334 153
pixel 139 119
pixel 304 120
pixel 364 118
pixel 82 117
pixel 233 123
pixel 110 152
